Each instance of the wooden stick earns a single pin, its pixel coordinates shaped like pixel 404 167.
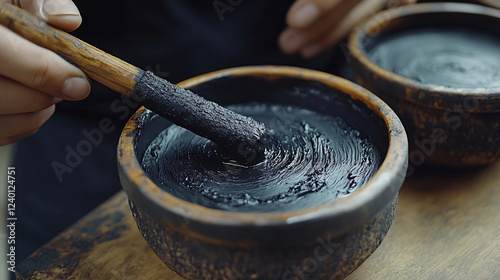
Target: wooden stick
pixel 239 135
pixel 102 67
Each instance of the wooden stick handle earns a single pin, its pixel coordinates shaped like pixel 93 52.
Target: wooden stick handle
pixel 106 69
pixel 207 119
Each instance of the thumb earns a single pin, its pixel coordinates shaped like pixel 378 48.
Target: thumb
pixel 59 13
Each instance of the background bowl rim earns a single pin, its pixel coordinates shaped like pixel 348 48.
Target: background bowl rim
pixel 488 99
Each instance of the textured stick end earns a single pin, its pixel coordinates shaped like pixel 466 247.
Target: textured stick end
pixel 249 149
pixel 239 137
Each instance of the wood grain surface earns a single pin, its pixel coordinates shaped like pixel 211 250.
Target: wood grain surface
pixel 447 226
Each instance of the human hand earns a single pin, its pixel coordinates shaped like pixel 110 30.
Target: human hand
pixel 34 79
pixel 316 25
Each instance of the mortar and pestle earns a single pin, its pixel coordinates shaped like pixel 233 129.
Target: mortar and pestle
pixel 315 198
pixel 437 66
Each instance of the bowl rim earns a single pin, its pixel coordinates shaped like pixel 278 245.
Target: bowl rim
pixel 362 204
pixel 485 99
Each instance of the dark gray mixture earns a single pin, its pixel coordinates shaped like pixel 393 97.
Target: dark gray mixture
pixel 310 159
pixel 450 57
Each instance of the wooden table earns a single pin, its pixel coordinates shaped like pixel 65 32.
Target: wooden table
pixel 447 226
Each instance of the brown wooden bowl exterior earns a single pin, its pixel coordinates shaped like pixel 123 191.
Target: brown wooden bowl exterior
pixel 330 257
pixel 203 243
pixel 447 127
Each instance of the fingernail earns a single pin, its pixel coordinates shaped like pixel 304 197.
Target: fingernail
pixel 305 15
pixel 59 8
pixel 76 88
pixel 291 41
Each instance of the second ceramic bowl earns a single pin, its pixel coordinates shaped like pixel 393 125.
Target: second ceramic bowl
pixel 446 125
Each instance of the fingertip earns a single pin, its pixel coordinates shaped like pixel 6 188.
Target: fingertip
pixel 47 113
pixel 29 133
pixel 61 13
pixel 65 22
pixel 12 139
pixel 43 116
pixel 282 39
pixel 76 88
pixel 290 41
pixel 303 15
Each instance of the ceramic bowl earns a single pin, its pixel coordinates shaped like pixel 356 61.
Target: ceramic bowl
pixel 324 242
pixel 446 126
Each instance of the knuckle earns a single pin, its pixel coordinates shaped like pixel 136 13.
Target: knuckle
pixel 41 74
pixel 18 124
pixel 42 101
pixel 5 126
